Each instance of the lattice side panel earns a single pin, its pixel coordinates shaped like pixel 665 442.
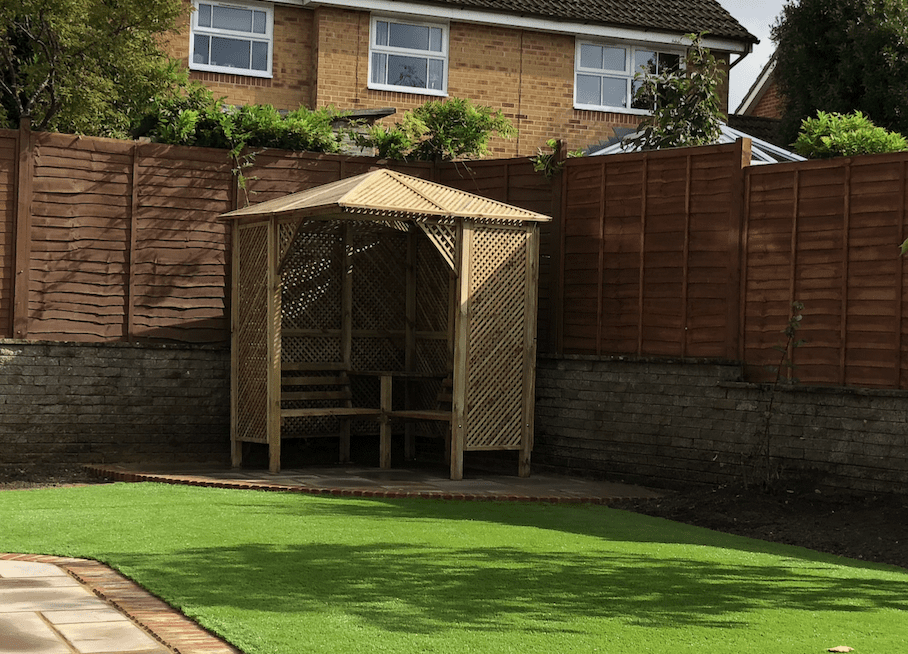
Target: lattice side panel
pixel 432 284
pixel 379 299
pixel 311 300
pixel 497 330
pixel 311 282
pixel 252 335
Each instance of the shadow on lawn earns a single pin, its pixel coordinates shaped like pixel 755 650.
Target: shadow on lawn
pixel 421 589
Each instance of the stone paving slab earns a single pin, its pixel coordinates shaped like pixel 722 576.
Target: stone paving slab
pixel 102 613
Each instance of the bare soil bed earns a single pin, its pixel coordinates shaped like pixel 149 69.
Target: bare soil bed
pixel 866 527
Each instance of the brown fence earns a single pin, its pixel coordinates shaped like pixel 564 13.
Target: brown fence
pixel 826 234
pixel 685 253
pixel 650 253
pixel 693 253
pixel 104 240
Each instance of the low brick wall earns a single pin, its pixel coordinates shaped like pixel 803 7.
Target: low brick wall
pixel 674 423
pixel 72 403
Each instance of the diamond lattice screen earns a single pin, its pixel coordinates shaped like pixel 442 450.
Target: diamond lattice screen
pixel 379 260
pixel 311 295
pixel 252 335
pixel 497 338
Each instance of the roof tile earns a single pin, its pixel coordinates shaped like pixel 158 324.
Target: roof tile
pixel 679 16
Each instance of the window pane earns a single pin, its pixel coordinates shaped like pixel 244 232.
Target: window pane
pixel 435 39
pixel 259 22
pixel 259 55
pixel 614 92
pixel 200 50
pixel 590 56
pixel 436 74
pixel 669 62
pixel 232 53
pixel 644 61
pixel 589 89
pixel 614 58
pixel 232 18
pixel 379 68
pixel 381 33
pixel 204 15
pixel 645 102
pixel 413 37
pixel 407 71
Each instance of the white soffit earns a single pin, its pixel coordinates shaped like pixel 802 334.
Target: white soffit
pixel 525 22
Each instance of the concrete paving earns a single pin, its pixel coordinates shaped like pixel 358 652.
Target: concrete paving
pixel 43 610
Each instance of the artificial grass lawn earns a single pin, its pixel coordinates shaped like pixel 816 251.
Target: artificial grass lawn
pixel 281 573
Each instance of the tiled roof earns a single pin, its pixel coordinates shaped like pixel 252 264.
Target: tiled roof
pixel 679 16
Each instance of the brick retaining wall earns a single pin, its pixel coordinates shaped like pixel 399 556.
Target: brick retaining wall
pixel 656 422
pixel 74 403
pixel 674 423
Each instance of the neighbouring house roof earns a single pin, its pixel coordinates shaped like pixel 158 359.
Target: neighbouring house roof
pixel 762 152
pixel 683 16
pixel 758 88
pixel 659 21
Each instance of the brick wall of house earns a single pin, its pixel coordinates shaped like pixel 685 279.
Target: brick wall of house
pixel 77 403
pixel 676 423
pixel 770 105
pixel 293 82
pixel 321 58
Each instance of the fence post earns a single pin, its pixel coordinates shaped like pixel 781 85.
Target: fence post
pixel 22 229
pixel 556 263
pixel 734 349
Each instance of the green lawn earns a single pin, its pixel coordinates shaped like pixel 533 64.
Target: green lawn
pixel 280 574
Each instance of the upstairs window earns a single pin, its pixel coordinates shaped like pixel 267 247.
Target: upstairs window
pixel 604 74
pixel 232 38
pixel 409 57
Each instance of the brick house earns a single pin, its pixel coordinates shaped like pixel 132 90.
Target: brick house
pixel 556 68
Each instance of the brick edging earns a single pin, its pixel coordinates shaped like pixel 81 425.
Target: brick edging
pixel 207 482
pixel 161 621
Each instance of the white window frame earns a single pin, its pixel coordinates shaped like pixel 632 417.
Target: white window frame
pixel 267 37
pixel 376 49
pixel 627 73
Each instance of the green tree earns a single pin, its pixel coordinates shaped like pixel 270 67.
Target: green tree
pixel 843 56
pixel 83 66
pixel 686 106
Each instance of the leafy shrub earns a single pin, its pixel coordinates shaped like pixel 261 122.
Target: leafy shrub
pixel 844 135
pixel 192 116
pixel 439 130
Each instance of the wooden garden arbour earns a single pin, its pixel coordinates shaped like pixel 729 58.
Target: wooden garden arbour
pixel 389 275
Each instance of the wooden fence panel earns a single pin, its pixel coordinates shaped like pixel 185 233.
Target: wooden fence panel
pixel 9 152
pixel 179 248
pixel 78 267
pixel 648 252
pixel 825 234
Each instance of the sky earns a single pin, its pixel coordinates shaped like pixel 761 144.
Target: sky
pixel 757 16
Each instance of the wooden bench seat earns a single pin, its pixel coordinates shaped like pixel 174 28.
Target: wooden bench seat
pixel 312 391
